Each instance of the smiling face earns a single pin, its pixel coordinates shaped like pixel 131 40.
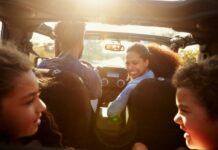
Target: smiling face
pixel 136 65
pixel 200 131
pixel 22 108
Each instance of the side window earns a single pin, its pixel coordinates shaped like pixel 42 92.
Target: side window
pixel 1 29
pixel 189 54
pixel 43 46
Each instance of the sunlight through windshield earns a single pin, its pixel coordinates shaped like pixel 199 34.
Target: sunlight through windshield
pixel 94 46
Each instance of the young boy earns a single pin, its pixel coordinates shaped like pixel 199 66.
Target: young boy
pixel 197 102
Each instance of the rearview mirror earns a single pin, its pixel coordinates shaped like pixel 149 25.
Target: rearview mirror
pixel 114 47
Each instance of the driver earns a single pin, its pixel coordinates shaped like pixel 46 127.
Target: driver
pixel 69 47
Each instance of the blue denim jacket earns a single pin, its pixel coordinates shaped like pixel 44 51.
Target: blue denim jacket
pixel 90 77
pixel 119 104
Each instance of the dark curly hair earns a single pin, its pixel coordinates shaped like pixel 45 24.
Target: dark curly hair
pixel 202 79
pixel 163 61
pixel 12 64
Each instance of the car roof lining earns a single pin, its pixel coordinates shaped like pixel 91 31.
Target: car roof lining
pixel 151 12
pixel 195 16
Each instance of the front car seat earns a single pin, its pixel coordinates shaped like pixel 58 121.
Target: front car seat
pixel 67 99
pixel 152 107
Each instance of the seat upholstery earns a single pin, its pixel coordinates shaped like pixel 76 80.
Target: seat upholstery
pixel 67 99
pixel 152 106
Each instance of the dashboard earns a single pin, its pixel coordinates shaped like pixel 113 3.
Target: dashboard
pixel 113 77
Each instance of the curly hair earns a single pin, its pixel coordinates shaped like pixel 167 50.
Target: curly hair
pixel 163 61
pixel 202 79
pixel 13 63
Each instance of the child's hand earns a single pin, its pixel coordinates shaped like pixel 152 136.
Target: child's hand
pixel 139 146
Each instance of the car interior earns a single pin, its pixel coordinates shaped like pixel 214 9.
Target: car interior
pixel 111 26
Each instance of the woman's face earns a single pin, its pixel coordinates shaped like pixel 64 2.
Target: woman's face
pixel 136 65
pixel 22 108
pixel 200 131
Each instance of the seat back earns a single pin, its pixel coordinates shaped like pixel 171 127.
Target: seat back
pixel 67 99
pixel 152 106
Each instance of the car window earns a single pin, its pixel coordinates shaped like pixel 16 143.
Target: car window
pixel 189 54
pixel 1 29
pixel 97 36
pixel 96 54
pixel 43 45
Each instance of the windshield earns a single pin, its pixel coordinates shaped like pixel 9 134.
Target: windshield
pixel 96 54
pixel 98 35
